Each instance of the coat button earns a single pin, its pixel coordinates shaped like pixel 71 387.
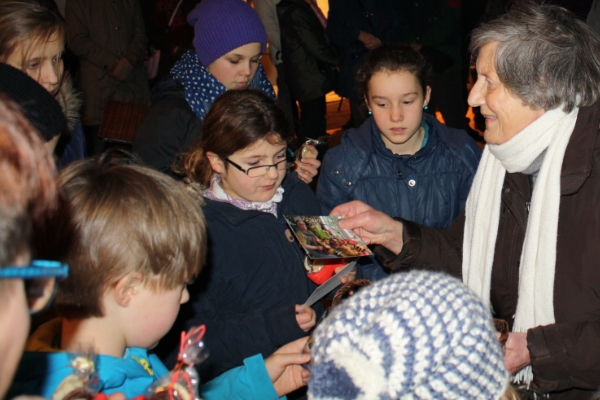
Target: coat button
pixel 399 174
pixel 348 183
pixel 412 183
pixel 336 172
pixel 289 235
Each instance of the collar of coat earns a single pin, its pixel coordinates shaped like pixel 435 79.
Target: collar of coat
pixel 70 101
pixel 579 156
pixel 236 216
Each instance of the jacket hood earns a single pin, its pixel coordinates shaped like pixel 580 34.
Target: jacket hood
pixel 70 101
pixel 365 135
pixel 368 138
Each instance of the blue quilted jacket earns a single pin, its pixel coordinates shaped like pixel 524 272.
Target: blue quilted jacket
pixel 429 187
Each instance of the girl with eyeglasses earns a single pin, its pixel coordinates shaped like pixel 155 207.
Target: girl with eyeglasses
pixel 254 282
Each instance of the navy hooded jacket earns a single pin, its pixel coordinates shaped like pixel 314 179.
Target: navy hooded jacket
pixel 429 187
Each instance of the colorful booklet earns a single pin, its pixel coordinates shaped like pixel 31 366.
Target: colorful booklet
pixel 322 237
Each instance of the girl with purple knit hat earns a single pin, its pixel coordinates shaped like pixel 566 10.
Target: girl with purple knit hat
pixel 229 40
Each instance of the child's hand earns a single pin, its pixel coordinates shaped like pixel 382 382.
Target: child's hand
pixel 284 367
pixel 306 318
pixel 348 278
pixel 308 167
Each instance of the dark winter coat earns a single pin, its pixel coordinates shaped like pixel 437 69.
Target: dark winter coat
pixel 168 129
pixel 436 24
pixel 171 125
pixel 253 278
pixel 71 145
pixel 565 356
pixel 346 19
pixel 100 34
pixel 429 187
pixel 308 57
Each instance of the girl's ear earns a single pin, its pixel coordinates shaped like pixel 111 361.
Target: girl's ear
pixel 427 95
pixel 215 161
pixel 126 288
pixel 367 103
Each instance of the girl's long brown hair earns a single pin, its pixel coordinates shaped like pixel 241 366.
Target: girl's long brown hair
pixel 237 119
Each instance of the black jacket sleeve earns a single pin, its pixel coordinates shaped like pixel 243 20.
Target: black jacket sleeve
pixel 427 248
pixel 310 34
pixel 168 128
pixel 232 339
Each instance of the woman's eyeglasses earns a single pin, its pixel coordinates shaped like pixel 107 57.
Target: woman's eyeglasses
pixel 40 280
pixel 255 172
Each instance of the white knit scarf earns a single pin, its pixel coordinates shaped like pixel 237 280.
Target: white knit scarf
pixel 550 132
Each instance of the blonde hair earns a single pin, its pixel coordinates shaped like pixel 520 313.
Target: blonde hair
pixel 27 23
pixel 117 219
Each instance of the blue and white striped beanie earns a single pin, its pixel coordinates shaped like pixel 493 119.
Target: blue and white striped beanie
pixel 420 335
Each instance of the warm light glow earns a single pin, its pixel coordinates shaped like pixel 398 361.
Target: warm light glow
pixel 324 6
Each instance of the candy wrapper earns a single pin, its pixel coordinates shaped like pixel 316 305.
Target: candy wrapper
pixel 304 152
pixel 320 270
pixel 182 383
pixel 83 383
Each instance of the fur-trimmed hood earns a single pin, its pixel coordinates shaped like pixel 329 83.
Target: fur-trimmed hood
pixel 70 101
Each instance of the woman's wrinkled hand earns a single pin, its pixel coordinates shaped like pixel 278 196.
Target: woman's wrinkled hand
pixel 372 226
pixel 284 367
pixel 516 356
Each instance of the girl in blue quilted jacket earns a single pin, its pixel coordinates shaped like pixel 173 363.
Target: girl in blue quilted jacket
pixel 400 160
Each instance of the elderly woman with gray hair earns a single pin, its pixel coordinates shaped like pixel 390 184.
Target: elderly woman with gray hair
pixel 529 241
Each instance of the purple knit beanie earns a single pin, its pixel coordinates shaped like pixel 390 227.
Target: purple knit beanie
pixel 223 25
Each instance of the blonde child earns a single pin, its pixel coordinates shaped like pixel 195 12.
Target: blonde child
pixel 32 39
pixel 135 238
